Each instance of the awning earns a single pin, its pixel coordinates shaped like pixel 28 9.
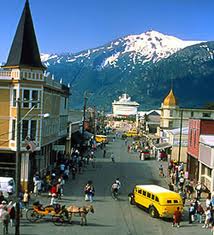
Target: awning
pixel 87 135
pixel 163 146
pixel 76 137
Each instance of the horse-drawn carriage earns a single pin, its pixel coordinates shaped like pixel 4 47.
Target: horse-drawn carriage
pixel 58 214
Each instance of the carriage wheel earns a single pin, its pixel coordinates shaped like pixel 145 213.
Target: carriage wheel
pixel 58 220
pixel 32 215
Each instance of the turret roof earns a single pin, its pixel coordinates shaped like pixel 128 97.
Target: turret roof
pixel 24 51
pixel 170 100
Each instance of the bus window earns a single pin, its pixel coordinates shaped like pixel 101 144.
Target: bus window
pixel 140 191
pixel 144 193
pixel 153 197
pixel 169 201
pixel 156 199
pixel 175 201
pixel 149 195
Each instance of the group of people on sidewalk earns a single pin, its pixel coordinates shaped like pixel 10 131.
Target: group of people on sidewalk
pixel 197 212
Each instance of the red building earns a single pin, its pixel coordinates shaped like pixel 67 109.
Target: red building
pixel 197 127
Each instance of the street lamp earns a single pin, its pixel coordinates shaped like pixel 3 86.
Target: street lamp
pixel 86 96
pixel 18 160
pixel 180 136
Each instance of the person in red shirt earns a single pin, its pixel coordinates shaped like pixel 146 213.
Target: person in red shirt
pixel 177 218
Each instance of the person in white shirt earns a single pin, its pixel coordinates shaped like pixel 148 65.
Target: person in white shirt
pixel 207 218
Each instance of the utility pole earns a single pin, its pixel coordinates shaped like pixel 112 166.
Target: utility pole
pixel 179 149
pixel 84 111
pixel 18 165
pixel 94 122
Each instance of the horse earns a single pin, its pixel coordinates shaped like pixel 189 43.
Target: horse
pixel 80 211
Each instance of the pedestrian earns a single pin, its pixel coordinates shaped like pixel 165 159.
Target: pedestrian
pixel 208 202
pixel 198 189
pixel 177 218
pixel 12 214
pixel 2 198
pixel 171 187
pixel 26 198
pixel 207 218
pixel 104 153
pixel 112 157
pixel 161 174
pixel 5 219
pixel 191 213
pixel 73 172
pixel 199 212
pixel 89 191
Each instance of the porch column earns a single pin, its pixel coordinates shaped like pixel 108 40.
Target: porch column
pixel 25 170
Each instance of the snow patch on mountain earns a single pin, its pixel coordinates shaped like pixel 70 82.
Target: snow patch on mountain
pixel 46 57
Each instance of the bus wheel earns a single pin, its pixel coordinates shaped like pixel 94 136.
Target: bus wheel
pixel 153 212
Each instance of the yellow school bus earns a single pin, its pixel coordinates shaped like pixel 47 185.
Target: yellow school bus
pixel 159 201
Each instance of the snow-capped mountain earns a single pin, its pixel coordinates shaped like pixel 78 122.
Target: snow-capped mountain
pixel 143 65
pixel 150 46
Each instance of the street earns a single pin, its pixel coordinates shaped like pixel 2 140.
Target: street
pixel 112 217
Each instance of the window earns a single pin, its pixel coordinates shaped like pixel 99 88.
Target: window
pixel 175 201
pixel 153 197
pixel 33 125
pixel 14 98
pixel 144 193
pixel 31 98
pixel 171 113
pixel 149 195
pixel 206 114
pixel 169 201
pixel 35 98
pixel 13 129
pixel 26 97
pixel 24 129
pixel 139 191
pixel 190 138
pixel 209 172
pixel 170 124
pixel 203 169
pixel 65 104
pixel 192 114
pixel 156 199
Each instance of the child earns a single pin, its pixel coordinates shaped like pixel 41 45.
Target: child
pixel 25 200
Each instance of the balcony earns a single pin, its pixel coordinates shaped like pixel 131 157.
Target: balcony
pixel 5 75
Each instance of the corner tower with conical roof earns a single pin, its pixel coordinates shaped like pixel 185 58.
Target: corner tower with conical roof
pixel 24 52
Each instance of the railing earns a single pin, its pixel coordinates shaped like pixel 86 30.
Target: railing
pixel 5 74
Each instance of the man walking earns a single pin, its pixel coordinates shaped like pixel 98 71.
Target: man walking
pixel 5 219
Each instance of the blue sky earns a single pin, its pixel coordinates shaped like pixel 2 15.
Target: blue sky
pixel 74 25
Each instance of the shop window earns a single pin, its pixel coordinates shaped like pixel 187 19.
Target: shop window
pixel 206 114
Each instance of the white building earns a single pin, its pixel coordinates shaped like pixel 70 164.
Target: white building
pixel 206 161
pixel 124 106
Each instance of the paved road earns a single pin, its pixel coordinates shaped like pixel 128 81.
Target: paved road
pixel 113 217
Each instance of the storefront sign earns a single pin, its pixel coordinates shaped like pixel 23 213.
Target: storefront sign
pixel 59 147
